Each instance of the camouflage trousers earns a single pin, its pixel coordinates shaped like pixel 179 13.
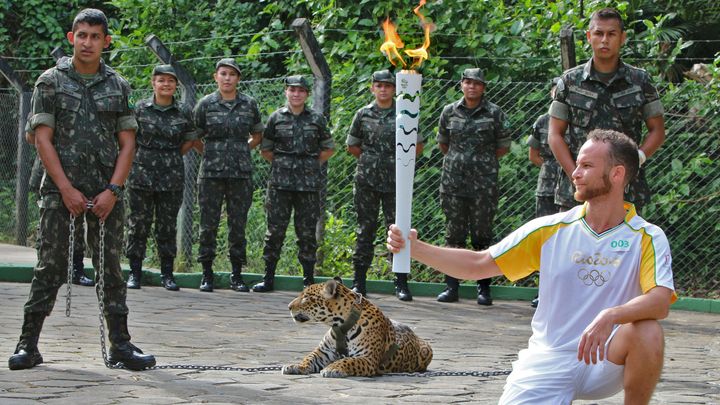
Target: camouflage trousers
pixel 367 206
pixel 237 195
pixel 79 239
pixel 545 205
pixel 50 273
pixel 279 205
pixel 471 217
pixel 144 206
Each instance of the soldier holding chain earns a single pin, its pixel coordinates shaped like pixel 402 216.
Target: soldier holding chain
pixel 85 134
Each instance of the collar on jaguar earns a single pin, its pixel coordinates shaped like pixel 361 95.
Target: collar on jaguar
pixel 341 330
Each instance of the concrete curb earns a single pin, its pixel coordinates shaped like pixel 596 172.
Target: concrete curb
pixel 10 272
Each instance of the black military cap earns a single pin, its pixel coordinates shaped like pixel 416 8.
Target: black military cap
pixel 229 62
pixel 384 76
pixel 473 74
pixel 164 70
pixel 297 81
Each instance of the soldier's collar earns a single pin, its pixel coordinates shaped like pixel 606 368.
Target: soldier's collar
pixel 67 66
pixel 481 106
pixel 620 73
pixel 375 107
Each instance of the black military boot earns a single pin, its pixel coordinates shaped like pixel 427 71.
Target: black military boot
pixel 135 274
pixel 79 272
pixel 166 274
pixel 206 285
pixel 358 284
pixel 308 273
pixel 236 280
pixel 26 353
pixel 268 283
pixel 402 291
pixel 121 350
pixel 451 291
pixel 484 297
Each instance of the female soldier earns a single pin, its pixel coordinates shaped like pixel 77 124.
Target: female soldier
pixel 165 133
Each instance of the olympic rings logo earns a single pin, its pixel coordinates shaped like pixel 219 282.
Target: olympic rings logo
pixel 593 276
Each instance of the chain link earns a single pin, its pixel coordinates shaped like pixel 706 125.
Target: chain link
pixel 101 297
pixel 71 252
pixel 199 367
pixel 483 374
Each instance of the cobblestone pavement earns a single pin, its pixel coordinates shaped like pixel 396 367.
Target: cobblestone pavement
pixel 226 328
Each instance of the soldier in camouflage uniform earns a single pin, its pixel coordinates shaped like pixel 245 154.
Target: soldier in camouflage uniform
pixel 472 134
pixel 541 156
pixel 605 93
pixel 155 185
pixel 372 141
pixel 297 143
pixel 85 134
pixel 36 175
pixel 230 127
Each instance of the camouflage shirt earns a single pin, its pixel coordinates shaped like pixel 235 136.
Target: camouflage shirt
pixel 550 169
pixel 85 116
pixel 585 102
pixel 296 142
pixel 158 163
pixel 373 130
pixel 225 127
pixel 472 136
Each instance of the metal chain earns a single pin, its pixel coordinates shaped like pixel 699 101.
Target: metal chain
pixel 199 367
pixel 101 297
pixel 71 252
pixel 484 374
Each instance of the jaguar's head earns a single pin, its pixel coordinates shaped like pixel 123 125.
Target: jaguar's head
pixel 329 302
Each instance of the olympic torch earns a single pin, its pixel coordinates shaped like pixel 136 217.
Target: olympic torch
pixel 408 86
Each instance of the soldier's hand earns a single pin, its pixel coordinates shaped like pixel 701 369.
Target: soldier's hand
pixel 103 204
pixel 74 201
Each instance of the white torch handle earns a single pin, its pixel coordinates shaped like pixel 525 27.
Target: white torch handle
pixel 407 108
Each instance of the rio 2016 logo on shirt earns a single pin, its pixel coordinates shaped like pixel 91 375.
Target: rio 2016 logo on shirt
pixel 619 244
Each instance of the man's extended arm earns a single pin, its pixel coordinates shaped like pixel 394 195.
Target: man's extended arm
pixel 459 263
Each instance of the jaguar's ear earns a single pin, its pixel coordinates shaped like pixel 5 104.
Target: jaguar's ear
pixel 331 289
pixel 338 279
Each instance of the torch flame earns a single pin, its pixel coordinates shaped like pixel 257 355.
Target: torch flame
pixel 420 54
pixel 392 43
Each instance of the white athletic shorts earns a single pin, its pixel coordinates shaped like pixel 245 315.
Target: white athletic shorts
pixel 558 378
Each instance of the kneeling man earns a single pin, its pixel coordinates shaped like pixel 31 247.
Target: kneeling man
pixel 605 280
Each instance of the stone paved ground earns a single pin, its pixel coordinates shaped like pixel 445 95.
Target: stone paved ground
pixel 249 330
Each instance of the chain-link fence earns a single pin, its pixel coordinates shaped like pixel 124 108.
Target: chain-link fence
pixel 684 174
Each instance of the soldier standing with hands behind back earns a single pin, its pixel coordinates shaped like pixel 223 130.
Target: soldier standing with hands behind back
pixel 472 135
pixel 230 127
pixel 85 134
pixel 609 94
pixel 372 141
pixel 155 186
pixel 296 142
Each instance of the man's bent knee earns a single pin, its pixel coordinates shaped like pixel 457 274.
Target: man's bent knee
pixel 644 337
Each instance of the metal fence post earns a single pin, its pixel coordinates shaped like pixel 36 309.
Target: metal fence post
pixel 191 158
pixel 322 88
pixel 22 168
pixel 567 48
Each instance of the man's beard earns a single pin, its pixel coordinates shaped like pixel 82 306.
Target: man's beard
pixel 590 193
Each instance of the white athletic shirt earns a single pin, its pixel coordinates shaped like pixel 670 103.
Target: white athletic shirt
pixel 582 272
